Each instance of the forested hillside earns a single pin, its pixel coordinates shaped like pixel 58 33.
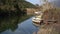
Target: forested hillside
pixel 14 7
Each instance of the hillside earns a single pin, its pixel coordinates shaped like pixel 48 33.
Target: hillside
pixel 14 7
pixel 12 3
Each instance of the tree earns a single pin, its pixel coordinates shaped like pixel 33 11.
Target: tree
pixel 37 5
pixel 45 0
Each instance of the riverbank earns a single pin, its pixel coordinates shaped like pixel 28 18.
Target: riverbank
pixel 51 28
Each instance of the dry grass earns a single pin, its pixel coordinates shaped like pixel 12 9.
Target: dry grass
pixel 47 30
pixel 52 28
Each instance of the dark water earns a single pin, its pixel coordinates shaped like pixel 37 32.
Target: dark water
pixel 9 26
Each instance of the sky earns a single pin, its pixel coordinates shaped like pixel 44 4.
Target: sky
pixel 35 1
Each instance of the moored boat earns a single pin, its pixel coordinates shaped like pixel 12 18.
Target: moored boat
pixel 37 19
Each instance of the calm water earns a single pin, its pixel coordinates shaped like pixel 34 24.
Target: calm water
pixel 25 27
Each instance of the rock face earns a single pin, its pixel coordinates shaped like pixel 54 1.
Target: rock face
pixel 30 11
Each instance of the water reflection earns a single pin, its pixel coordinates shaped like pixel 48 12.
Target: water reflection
pixel 12 25
pixel 8 23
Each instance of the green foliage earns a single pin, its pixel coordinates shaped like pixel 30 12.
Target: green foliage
pixel 14 7
pixel 12 3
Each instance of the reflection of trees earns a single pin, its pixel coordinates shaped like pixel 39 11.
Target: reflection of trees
pixel 8 23
pixel 11 22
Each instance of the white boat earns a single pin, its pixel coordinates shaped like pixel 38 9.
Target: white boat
pixel 38 17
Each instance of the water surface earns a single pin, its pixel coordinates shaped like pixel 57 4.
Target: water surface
pixel 25 27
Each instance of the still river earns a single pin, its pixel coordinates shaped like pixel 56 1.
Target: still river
pixel 25 27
